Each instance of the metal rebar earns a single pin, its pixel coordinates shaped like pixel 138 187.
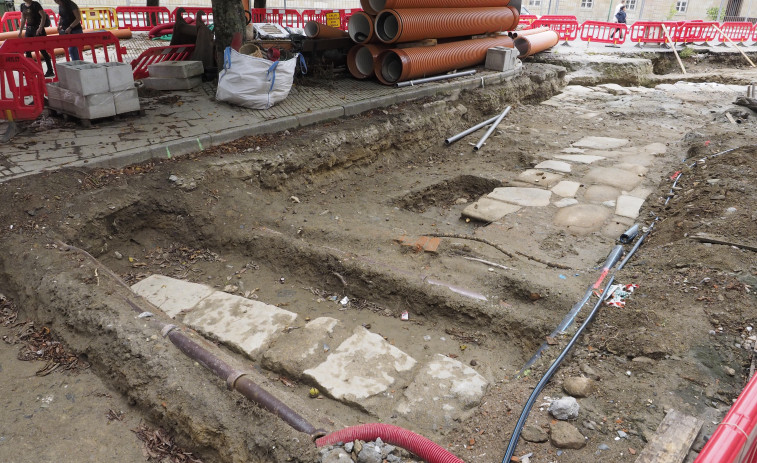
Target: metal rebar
pixel 435 78
pixel 464 133
pixel 491 129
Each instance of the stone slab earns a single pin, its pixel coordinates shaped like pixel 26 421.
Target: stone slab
pixel 600 143
pixel 307 347
pixel 539 177
pixel 571 150
pixel 614 177
pixel 580 158
pixel 566 188
pixel 362 369
pixel 170 295
pixel 557 166
pixel 533 197
pixel 169 83
pixel 582 218
pixel 598 194
pixel 489 210
pixel 176 69
pixel 628 206
pixel 242 324
pixel 444 391
pixel 565 202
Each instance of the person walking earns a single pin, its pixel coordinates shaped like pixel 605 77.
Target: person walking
pixel 33 20
pixel 621 17
pixel 69 22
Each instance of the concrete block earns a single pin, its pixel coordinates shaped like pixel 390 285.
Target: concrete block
pixel 120 76
pixel 500 59
pixel 176 69
pixel 169 294
pixel 83 78
pixel 126 101
pixel 171 83
pixel 82 106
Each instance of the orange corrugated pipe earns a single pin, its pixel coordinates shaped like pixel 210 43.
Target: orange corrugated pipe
pixel 524 32
pixel 316 30
pixel 532 44
pixel 366 6
pixel 397 65
pixel 379 5
pixel 408 25
pixel 360 27
pixel 361 58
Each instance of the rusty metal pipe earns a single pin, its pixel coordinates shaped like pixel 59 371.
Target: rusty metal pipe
pixel 361 59
pixel 398 65
pixel 435 78
pixel 360 27
pixel 491 129
pixel 316 30
pixel 409 25
pixel 531 44
pixel 379 5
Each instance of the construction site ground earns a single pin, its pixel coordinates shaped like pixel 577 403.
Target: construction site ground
pixel 304 215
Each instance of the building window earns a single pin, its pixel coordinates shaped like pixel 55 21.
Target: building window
pixel 630 4
pixel 681 6
pixel 587 3
pixel 534 2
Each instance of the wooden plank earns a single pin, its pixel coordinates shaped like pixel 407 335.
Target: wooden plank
pixel 718 240
pixel 672 440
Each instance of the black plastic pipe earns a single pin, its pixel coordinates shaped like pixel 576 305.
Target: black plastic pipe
pixel 630 234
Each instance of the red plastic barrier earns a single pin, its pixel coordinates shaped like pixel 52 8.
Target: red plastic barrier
pixel 158 55
pixel 22 87
pixel 191 12
pixel 559 17
pixel 603 32
pixel 282 17
pixel 11 20
pixel 86 41
pixel 567 29
pixel 736 31
pixel 527 19
pixel 695 31
pixel 735 439
pixel 317 15
pixel 142 18
pixel 652 32
pixel 346 16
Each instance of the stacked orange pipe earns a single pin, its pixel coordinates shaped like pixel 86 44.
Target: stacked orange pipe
pixel 409 25
pixel 360 27
pixel 379 5
pixel 361 58
pixel 531 44
pixel 397 65
pixel 316 30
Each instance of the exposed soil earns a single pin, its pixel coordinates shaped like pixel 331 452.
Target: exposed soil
pixel 294 218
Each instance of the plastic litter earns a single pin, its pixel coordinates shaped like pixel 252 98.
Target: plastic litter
pixel 617 294
pixel 345 300
pixel 405 316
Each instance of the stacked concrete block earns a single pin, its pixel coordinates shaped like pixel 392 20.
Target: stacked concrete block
pixel 174 75
pixel 501 59
pixel 93 90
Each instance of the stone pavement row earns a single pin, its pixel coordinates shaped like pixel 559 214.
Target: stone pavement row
pixel 349 364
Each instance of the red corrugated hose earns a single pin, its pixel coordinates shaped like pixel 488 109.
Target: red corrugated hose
pixel 397 65
pixel 531 44
pixel 379 5
pixel 361 58
pixel 360 27
pixel 409 25
pixel 394 435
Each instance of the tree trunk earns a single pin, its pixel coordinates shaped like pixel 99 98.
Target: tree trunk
pixel 228 18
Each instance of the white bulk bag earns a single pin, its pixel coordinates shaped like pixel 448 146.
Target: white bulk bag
pixel 252 82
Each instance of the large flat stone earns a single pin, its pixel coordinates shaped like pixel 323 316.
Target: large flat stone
pixel 582 218
pixel 297 350
pixel 579 158
pixel 628 206
pixel 240 323
pixel 566 188
pixel 489 210
pixel 170 295
pixel 557 166
pixel 599 194
pixel 534 197
pixel 600 143
pixel 539 177
pixel 444 390
pixel 618 178
pixel 362 369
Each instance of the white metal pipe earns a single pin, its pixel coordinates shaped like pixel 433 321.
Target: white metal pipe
pixel 491 129
pixel 435 78
pixel 462 134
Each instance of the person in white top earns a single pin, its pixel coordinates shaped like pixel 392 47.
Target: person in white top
pixel 617 8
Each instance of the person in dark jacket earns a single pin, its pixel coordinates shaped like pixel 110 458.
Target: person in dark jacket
pixel 621 17
pixel 69 22
pixel 34 19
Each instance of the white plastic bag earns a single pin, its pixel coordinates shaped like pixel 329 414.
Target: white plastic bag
pixel 252 82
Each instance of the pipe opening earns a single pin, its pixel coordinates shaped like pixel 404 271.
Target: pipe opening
pixel 364 61
pixel 523 46
pixel 377 5
pixel 387 26
pixel 359 27
pixel 391 67
pixel 311 28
